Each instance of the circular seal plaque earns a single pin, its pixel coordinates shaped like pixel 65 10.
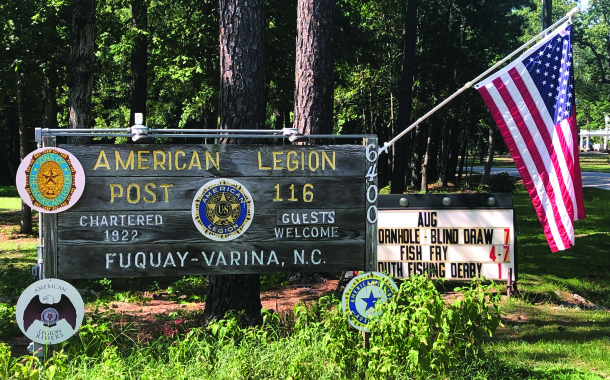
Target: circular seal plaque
pixel 222 209
pixel 361 295
pixel 49 311
pixel 50 180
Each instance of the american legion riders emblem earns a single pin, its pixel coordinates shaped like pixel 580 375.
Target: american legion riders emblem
pixel 50 180
pixel 222 209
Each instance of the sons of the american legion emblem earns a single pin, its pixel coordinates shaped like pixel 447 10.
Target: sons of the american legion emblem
pixel 362 294
pixel 222 209
pixel 50 180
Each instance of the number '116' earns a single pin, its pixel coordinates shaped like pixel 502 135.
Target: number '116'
pixel 307 193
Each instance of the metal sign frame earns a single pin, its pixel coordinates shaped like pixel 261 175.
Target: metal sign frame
pixel 449 202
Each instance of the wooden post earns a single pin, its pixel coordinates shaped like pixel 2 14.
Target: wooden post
pixel 49 225
pixel 372 214
pixel 509 283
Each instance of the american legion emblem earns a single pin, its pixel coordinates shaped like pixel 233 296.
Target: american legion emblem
pixel 50 180
pixel 222 209
pixel 361 295
pixel 49 311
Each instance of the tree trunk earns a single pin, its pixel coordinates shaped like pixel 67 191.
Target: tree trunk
pixel 24 150
pixel 50 109
pixel 432 153
pixel 490 158
pixel 401 154
pixel 314 70
pixel 139 61
pixel 241 107
pixel 82 66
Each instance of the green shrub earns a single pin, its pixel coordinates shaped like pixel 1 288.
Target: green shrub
pixel 419 333
pixel 13 281
pixel 8 325
pixel 501 183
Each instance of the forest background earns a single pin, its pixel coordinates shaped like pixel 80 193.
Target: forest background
pixel 454 42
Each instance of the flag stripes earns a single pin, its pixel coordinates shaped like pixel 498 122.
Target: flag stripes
pixel 542 144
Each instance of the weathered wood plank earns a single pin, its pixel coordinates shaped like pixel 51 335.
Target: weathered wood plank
pixel 176 227
pixel 174 260
pixel 177 193
pixel 194 160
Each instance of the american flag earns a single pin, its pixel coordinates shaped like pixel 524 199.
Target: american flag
pixel 533 103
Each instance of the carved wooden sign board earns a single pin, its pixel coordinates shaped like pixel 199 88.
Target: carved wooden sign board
pixel 164 210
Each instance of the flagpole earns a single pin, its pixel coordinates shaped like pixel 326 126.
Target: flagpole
pixel 469 84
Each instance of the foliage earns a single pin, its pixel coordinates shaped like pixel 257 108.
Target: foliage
pixel 314 341
pixel 273 281
pixel 501 183
pixel 8 326
pixel 13 280
pixel 419 332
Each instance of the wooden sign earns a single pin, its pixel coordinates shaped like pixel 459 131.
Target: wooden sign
pixel 462 239
pixel 160 210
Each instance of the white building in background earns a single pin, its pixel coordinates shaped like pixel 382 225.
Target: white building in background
pixel 585 136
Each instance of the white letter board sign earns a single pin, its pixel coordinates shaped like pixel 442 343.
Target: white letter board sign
pixel 450 236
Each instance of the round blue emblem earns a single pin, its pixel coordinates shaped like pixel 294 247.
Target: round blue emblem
pixel 49 316
pixel 222 209
pixel 362 294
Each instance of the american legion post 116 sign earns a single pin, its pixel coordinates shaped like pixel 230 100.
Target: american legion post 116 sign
pixel 159 210
pixel 449 236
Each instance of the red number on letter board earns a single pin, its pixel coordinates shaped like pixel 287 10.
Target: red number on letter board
pixel 506 250
pixel 506 235
pixel 492 254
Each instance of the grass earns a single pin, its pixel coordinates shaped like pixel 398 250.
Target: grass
pixel 589 162
pixel 9 198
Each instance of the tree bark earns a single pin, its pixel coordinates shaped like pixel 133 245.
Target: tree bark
pixel 242 84
pixel 139 61
pixel 314 70
pixel 82 66
pixel 242 106
pixel 50 109
pixel 401 151
pixel 490 158
pixel 24 150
